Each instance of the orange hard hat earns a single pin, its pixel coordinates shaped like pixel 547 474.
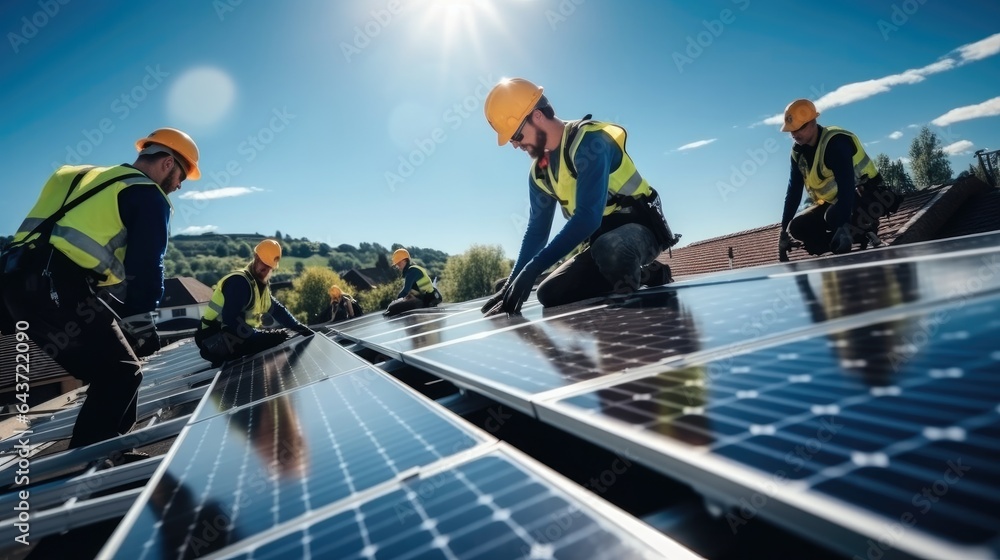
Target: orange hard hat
pixel 180 143
pixel 507 105
pixel 269 252
pixel 798 113
pixel 399 255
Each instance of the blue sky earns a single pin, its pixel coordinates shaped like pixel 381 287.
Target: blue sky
pixel 362 121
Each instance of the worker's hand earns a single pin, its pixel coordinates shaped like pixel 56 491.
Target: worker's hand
pixel 496 298
pixel 517 291
pixel 304 330
pixel 142 333
pixel 784 245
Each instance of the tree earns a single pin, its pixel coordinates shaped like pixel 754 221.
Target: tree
pixel 379 297
pixel 244 251
pixel 324 250
pixel 299 267
pixel 473 273
pixel 311 291
pixel 221 250
pixel 928 161
pixel 894 174
pixel 277 234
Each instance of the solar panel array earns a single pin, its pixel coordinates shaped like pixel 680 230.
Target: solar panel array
pixel 852 399
pixel 306 450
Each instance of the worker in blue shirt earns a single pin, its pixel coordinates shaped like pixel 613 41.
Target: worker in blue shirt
pixel 99 230
pixel 847 192
pixel 583 167
pixel 231 326
pixel 418 289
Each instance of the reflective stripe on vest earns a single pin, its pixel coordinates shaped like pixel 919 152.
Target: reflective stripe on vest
pixel 623 181
pixel 259 304
pixel 819 181
pixel 91 235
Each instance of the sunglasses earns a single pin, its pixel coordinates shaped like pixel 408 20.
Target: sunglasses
pixel 180 166
pixel 518 134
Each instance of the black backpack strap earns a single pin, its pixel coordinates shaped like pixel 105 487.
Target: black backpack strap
pixel 573 132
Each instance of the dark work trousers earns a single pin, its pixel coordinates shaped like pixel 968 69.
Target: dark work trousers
pixel 409 303
pixel 81 335
pixel 612 264
pixel 815 225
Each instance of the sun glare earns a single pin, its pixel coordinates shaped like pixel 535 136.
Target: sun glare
pixel 455 23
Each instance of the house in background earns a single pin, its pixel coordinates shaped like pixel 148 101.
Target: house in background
pixel 184 301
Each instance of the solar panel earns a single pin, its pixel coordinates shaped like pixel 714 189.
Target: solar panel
pixel 279 458
pixel 891 424
pixel 296 363
pixel 669 324
pixel 494 506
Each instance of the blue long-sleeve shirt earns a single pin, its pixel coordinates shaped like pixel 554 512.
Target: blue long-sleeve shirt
pixel 839 158
pixel 146 215
pixel 236 292
pixel 411 275
pixel 597 155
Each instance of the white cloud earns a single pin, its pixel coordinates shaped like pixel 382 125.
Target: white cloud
pixel 223 192
pixel 980 49
pixel 957 148
pixel 896 135
pixel 697 144
pixel 904 160
pixel 989 108
pixel 197 230
pixel 857 91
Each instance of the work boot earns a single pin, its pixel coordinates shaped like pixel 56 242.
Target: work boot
pixel 841 242
pixel 655 274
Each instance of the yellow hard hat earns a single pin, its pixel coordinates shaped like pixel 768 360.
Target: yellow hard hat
pixel 399 255
pixel 508 103
pixel 798 113
pixel 336 293
pixel 180 143
pixel 269 252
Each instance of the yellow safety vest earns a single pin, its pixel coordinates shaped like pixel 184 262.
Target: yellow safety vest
pixel 424 284
pixel 91 235
pixel 260 301
pixel 819 181
pixel 623 181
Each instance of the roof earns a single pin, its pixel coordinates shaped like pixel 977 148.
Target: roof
pixel 182 291
pixel 967 206
pixel 42 367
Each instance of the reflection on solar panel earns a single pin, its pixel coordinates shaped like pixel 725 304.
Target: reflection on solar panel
pixel 879 417
pixel 488 507
pixel 284 456
pixel 857 378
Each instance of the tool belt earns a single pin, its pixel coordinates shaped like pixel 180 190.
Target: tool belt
pixel 646 210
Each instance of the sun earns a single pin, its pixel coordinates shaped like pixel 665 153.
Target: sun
pixel 455 23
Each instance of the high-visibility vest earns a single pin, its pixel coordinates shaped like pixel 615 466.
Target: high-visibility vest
pixel 819 180
pixel 623 181
pixel 424 284
pixel 92 234
pixel 259 304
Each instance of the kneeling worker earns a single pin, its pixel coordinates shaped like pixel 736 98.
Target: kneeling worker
pixel 230 328
pixel 418 290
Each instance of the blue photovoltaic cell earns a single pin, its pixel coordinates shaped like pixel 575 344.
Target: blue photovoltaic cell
pixel 872 415
pixel 297 363
pixel 671 323
pixel 487 508
pixel 237 474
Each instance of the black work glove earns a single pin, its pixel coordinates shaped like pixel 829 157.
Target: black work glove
pixel 304 330
pixel 516 292
pixel 784 245
pixel 142 334
pixel 496 298
pixel 842 240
